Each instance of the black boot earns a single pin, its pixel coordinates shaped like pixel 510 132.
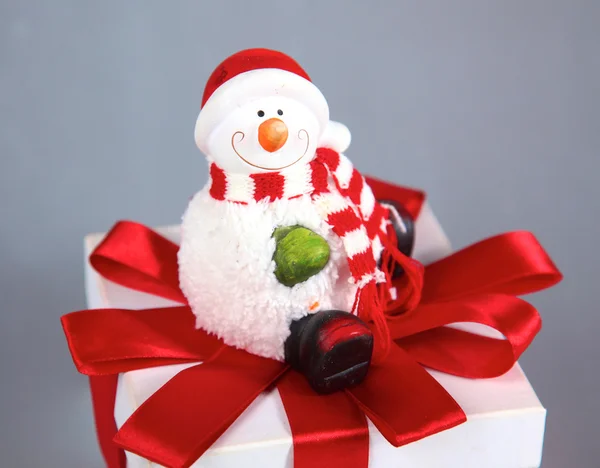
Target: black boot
pixel 331 348
pixel 404 226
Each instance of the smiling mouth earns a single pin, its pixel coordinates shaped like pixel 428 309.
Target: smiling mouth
pixel 243 135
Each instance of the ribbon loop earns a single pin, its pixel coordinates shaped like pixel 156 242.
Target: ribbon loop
pixel 513 263
pixel 138 258
pixel 426 338
pixel 110 341
pixel 411 199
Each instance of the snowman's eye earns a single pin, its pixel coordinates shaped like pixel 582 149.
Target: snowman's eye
pixel 261 113
pixel 280 112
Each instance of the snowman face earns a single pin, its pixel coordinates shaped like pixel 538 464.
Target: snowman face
pixel 267 134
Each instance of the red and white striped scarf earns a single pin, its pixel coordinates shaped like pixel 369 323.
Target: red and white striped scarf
pixel 357 218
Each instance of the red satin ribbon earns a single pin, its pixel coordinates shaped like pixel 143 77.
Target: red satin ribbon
pixel 182 419
pixel 103 390
pixel 190 412
pixel 138 258
pixel 328 430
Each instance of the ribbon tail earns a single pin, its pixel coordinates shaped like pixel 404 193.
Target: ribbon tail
pixel 177 424
pixel 404 402
pixel 104 390
pixel 328 430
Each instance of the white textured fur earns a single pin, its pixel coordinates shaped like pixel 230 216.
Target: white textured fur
pixel 227 272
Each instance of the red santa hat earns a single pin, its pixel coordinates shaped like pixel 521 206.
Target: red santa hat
pixel 251 74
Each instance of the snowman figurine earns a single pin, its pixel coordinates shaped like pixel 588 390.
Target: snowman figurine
pixel 285 253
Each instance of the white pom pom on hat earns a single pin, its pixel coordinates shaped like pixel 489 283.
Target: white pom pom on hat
pixel 336 136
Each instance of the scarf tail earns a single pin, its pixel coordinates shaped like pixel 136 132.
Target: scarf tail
pixel 376 302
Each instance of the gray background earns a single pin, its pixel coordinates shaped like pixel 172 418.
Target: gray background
pixel 491 106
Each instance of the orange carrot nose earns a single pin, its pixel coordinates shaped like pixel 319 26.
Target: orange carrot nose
pixel 272 134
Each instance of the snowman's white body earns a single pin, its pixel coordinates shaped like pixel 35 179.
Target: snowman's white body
pixel 227 271
pixel 264 120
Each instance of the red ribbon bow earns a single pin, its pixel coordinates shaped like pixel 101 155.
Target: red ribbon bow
pixel 179 422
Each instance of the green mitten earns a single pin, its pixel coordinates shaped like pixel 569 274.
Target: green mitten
pixel 300 254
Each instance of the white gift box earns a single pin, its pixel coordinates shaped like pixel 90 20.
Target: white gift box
pixel 505 420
